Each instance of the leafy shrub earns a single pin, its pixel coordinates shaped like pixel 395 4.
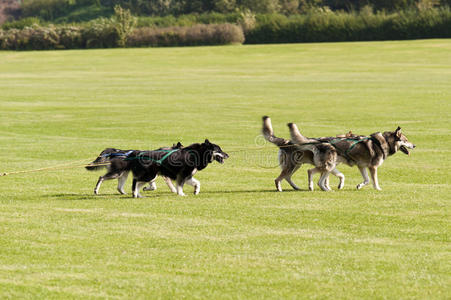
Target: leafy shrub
pixel 30 38
pixel 123 22
pixel 100 33
pixel 22 23
pixel 70 37
pixel 213 34
pixel 188 20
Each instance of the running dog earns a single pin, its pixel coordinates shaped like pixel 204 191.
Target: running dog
pixel 366 152
pixel 121 169
pixel 302 150
pixel 179 165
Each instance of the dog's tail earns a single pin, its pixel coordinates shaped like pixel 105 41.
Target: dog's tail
pixel 296 135
pixel 268 133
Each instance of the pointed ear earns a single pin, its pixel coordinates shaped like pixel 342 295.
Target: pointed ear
pixel 179 145
pixel 207 141
pixel 398 131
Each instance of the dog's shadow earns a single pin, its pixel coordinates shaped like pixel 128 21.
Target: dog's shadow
pixel 116 196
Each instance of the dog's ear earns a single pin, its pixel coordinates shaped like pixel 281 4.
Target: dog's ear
pixel 207 142
pixel 179 145
pixel 398 132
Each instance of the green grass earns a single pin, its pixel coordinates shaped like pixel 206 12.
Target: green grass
pixel 238 238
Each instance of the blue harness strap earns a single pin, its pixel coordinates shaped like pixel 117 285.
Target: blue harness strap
pixel 126 154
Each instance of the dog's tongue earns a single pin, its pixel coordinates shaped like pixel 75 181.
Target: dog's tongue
pixel 405 150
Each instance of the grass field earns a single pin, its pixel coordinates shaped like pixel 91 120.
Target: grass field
pixel 239 238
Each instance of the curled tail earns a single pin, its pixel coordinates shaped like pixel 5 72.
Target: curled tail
pixel 268 133
pixel 296 135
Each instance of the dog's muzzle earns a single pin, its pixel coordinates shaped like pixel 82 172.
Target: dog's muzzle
pixel 405 148
pixel 220 156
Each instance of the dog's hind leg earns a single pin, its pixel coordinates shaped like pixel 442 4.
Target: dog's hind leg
pixel 170 184
pixel 310 174
pixel 286 174
pixel 195 183
pixel 341 177
pixel 288 178
pixel 373 172
pixel 121 182
pixel 366 179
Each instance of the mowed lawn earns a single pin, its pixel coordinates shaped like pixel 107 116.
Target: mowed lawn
pixel 237 239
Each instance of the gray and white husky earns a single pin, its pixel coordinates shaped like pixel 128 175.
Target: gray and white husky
pixel 302 150
pixel 365 152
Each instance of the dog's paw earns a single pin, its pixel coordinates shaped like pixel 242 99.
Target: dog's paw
pixel 122 192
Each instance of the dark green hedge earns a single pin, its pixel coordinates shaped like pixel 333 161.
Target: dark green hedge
pixel 336 27
pixel 104 35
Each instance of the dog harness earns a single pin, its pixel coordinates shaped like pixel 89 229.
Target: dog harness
pixel 159 161
pixel 126 154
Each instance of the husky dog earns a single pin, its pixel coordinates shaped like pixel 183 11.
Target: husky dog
pixel 179 165
pixel 120 170
pixel 300 150
pixel 365 152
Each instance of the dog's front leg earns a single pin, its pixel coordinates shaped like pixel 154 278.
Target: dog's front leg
pixel 323 181
pixel 373 172
pixel 195 183
pixel 136 186
pixel 99 183
pixel 180 183
pixel 366 179
pixel 326 183
pixel 341 177
pixel 152 186
pixel 121 182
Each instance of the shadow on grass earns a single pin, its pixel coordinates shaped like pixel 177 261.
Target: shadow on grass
pixel 115 196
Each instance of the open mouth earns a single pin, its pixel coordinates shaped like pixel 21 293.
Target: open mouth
pixel 219 157
pixel 404 150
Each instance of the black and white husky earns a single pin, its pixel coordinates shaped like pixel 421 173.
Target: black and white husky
pixel 115 161
pixel 179 165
